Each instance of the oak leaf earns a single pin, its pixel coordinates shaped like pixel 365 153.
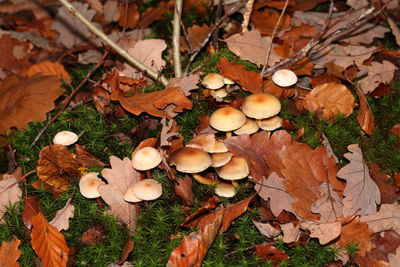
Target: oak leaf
pixel 49 68
pixel 266 229
pixel 365 118
pixel 10 194
pixel 325 232
pixel 330 99
pixel 361 194
pixel 61 219
pixel 328 204
pixel 196 36
pixel 9 253
pixel 377 73
pixel 266 20
pixel 58 168
pixel 251 46
pixel 48 243
pixel 186 84
pixel 120 177
pixel 22 101
pixel 291 232
pixel 387 218
pixel 249 80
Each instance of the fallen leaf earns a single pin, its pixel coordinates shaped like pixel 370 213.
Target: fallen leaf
pixel 395 29
pixel 31 208
pixel 194 247
pixel 394 258
pixel 94 235
pixel 49 68
pixel 269 252
pixel 251 46
pixel 186 84
pixel 328 204
pixel 307 4
pixel 389 192
pixel 48 243
pixel 387 218
pixel 206 206
pixel 128 17
pixel 127 249
pixel 87 159
pixel 58 168
pixel 120 177
pixel 183 189
pixel 61 219
pixel 361 194
pixel 325 232
pixel 365 118
pixel 10 194
pixel 153 14
pixel 27 100
pixel 376 73
pixel 291 232
pixel 9 253
pixel 196 36
pixel 111 11
pixel 249 80
pixel 280 92
pixel 266 229
pixel 15 55
pixel 266 19
pixel 330 99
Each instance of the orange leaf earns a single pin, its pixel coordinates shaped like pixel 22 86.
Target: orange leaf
pixel 31 208
pixel 249 80
pixel 280 92
pixel 266 19
pixel 87 159
pixel 49 68
pixel 196 35
pixel 365 118
pixel 129 17
pixel 48 243
pixel 269 252
pixel 9 253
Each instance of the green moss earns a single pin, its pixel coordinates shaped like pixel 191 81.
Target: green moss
pixel 189 120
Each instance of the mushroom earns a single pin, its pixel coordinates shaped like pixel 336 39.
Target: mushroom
pixel 249 127
pixel 235 169
pixel 270 124
pixel 146 158
pixel 204 141
pixel 225 190
pixel 284 78
pixel 213 81
pixel 218 147
pixel 220 159
pixel 227 119
pixel 190 160
pixel 261 106
pixel 129 196
pixel 89 187
pixel 219 93
pixel 65 138
pixel 147 189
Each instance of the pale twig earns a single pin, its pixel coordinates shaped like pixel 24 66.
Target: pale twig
pixel 186 34
pixel 247 14
pixel 268 52
pixel 176 34
pixel 216 32
pixel 69 98
pixel 124 53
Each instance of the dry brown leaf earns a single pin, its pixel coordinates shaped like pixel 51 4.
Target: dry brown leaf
pixel 15 54
pixel 269 252
pixel 128 17
pixel 9 253
pixel 328 204
pixel 377 73
pixel 94 235
pixel 266 229
pixel 111 11
pixel 307 4
pixel 280 92
pixel 87 159
pixel 58 168
pixel 394 258
pixel 305 169
pixel 361 194
pixel 387 218
pixel 61 219
pixel 291 232
pixel 27 100
pixel 274 189
pixel 298 36
pixel 153 14
pixel 266 20
pixel 186 84
pixel 325 232
pixel 395 29
pixel 194 247
pixel 196 35
pixel 48 243
pixel 330 99
pixel 31 208
pixel 249 80
pixel 389 192
pixel 183 189
pixel 365 118
pixel 49 68
pixel 120 177
pixel 10 194
pixel 251 46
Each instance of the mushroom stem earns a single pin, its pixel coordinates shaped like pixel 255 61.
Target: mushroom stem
pixel 228 134
pixel 235 184
pixel 204 180
pixel 148 174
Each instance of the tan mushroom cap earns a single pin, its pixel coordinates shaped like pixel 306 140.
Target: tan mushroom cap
pixel 220 159
pixel 249 127
pixel 130 196
pixel 284 78
pixel 270 124
pixel 89 175
pixel 227 119
pixel 90 187
pixel 213 81
pixel 225 190
pixel 190 160
pixel 235 169
pixel 261 106
pixel 228 81
pixel 65 138
pixel 221 93
pixel 204 141
pixel 146 158
pixel 147 189
pixel 218 147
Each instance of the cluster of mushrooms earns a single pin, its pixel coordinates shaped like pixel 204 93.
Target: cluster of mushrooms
pixel 204 150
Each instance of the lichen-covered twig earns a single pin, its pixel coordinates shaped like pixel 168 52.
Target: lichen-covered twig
pixel 247 14
pixel 176 34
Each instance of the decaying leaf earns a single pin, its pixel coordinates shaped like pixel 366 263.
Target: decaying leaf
pixel 61 220
pixel 94 235
pixel 120 177
pixel 183 188
pixel 58 168
pixel 328 204
pixel 266 19
pixel 22 101
pixel 361 194
pixel 49 68
pixel 48 243
pixel 325 232
pixel 365 118
pixel 330 99
pixel 389 192
pixel 10 193
pixel 376 73
pixel 387 218
pixel 87 159
pixel 269 252
pixel 9 253
pixel 196 35
pixel 186 84
pixel 291 232
pixel 266 229
pixel 31 208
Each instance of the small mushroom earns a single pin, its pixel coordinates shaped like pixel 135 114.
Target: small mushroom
pixel 227 119
pixel 204 141
pixel 147 189
pixel 213 81
pixel 190 160
pixel 261 106
pixel 225 190
pixel 220 159
pixel 249 127
pixel 146 158
pixel 89 188
pixel 235 169
pixel 129 196
pixel 65 138
pixel 284 78
pixel 270 124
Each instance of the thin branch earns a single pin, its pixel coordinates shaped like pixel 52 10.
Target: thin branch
pixel 124 53
pixel 273 36
pixel 186 34
pixel 176 34
pixel 247 15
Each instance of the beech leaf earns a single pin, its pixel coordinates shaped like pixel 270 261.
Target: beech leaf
pixel 9 253
pixel 365 118
pixel 49 68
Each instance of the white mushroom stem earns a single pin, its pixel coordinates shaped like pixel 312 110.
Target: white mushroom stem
pixel 204 180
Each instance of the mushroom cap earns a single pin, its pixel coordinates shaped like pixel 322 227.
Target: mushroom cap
pixel 65 138
pixel 249 127
pixel 213 81
pixel 228 81
pixel 147 189
pixel 227 119
pixel 220 159
pixel 219 93
pixel 261 106
pixel 270 124
pixel 88 176
pixel 225 190
pixel 235 169
pixel 218 147
pixel 90 187
pixel 130 196
pixel 284 78
pixel 190 160
pixel 146 158
pixel 204 141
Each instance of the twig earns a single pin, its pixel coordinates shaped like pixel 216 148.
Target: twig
pixel 124 53
pixel 235 8
pixel 216 32
pixel 186 34
pixel 69 98
pixel 267 54
pixel 176 34
pixel 247 15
